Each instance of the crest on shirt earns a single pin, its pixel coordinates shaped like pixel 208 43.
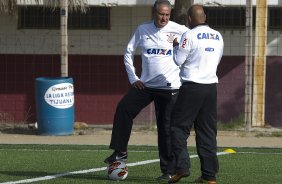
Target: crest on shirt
pixel 170 37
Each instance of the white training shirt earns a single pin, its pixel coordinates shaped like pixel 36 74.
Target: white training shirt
pixel 199 53
pixel 158 69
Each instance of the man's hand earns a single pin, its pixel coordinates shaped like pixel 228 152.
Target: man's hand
pixel 138 84
pixel 175 42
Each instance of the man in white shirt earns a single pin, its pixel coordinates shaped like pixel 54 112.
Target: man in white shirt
pixel 159 83
pixel 198 54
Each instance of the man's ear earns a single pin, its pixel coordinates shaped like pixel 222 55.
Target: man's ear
pixel 189 18
pixel 189 21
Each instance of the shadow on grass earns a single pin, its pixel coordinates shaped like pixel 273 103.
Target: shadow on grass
pixel 105 179
pixel 130 179
pixel 26 173
pixel 79 177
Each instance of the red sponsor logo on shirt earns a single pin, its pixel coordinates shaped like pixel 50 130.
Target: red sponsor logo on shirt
pixel 184 43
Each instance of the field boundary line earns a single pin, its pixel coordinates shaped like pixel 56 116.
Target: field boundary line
pixel 133 151
pixel 58 150
pixel 44 178
pixel 258 153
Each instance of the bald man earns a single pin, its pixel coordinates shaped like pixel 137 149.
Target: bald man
pixel 198 55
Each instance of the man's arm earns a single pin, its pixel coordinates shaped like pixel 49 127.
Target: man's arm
pixel 129 57
pixel 180 50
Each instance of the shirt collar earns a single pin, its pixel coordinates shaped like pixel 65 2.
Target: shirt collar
pixel 202 24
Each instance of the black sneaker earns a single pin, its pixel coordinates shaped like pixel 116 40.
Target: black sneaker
pixel 164 178
pixel 117 155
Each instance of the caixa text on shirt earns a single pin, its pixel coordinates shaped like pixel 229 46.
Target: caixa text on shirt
pixel 159 51
pixel 211 36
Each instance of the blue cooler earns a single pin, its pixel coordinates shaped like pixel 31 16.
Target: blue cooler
pixel 54 105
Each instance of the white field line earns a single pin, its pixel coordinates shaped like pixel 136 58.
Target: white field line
pixel 44 178
pixel 258 153
pixel 133 151
pixel 46 150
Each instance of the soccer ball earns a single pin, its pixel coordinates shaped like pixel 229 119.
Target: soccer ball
pixel 117 170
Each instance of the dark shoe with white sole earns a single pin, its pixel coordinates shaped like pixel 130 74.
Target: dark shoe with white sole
pixel 116 156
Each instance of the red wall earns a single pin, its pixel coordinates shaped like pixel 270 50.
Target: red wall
pixel 100 82
pixel 231 74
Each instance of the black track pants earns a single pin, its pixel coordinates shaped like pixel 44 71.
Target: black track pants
pixel 129 107
pixel 196 104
